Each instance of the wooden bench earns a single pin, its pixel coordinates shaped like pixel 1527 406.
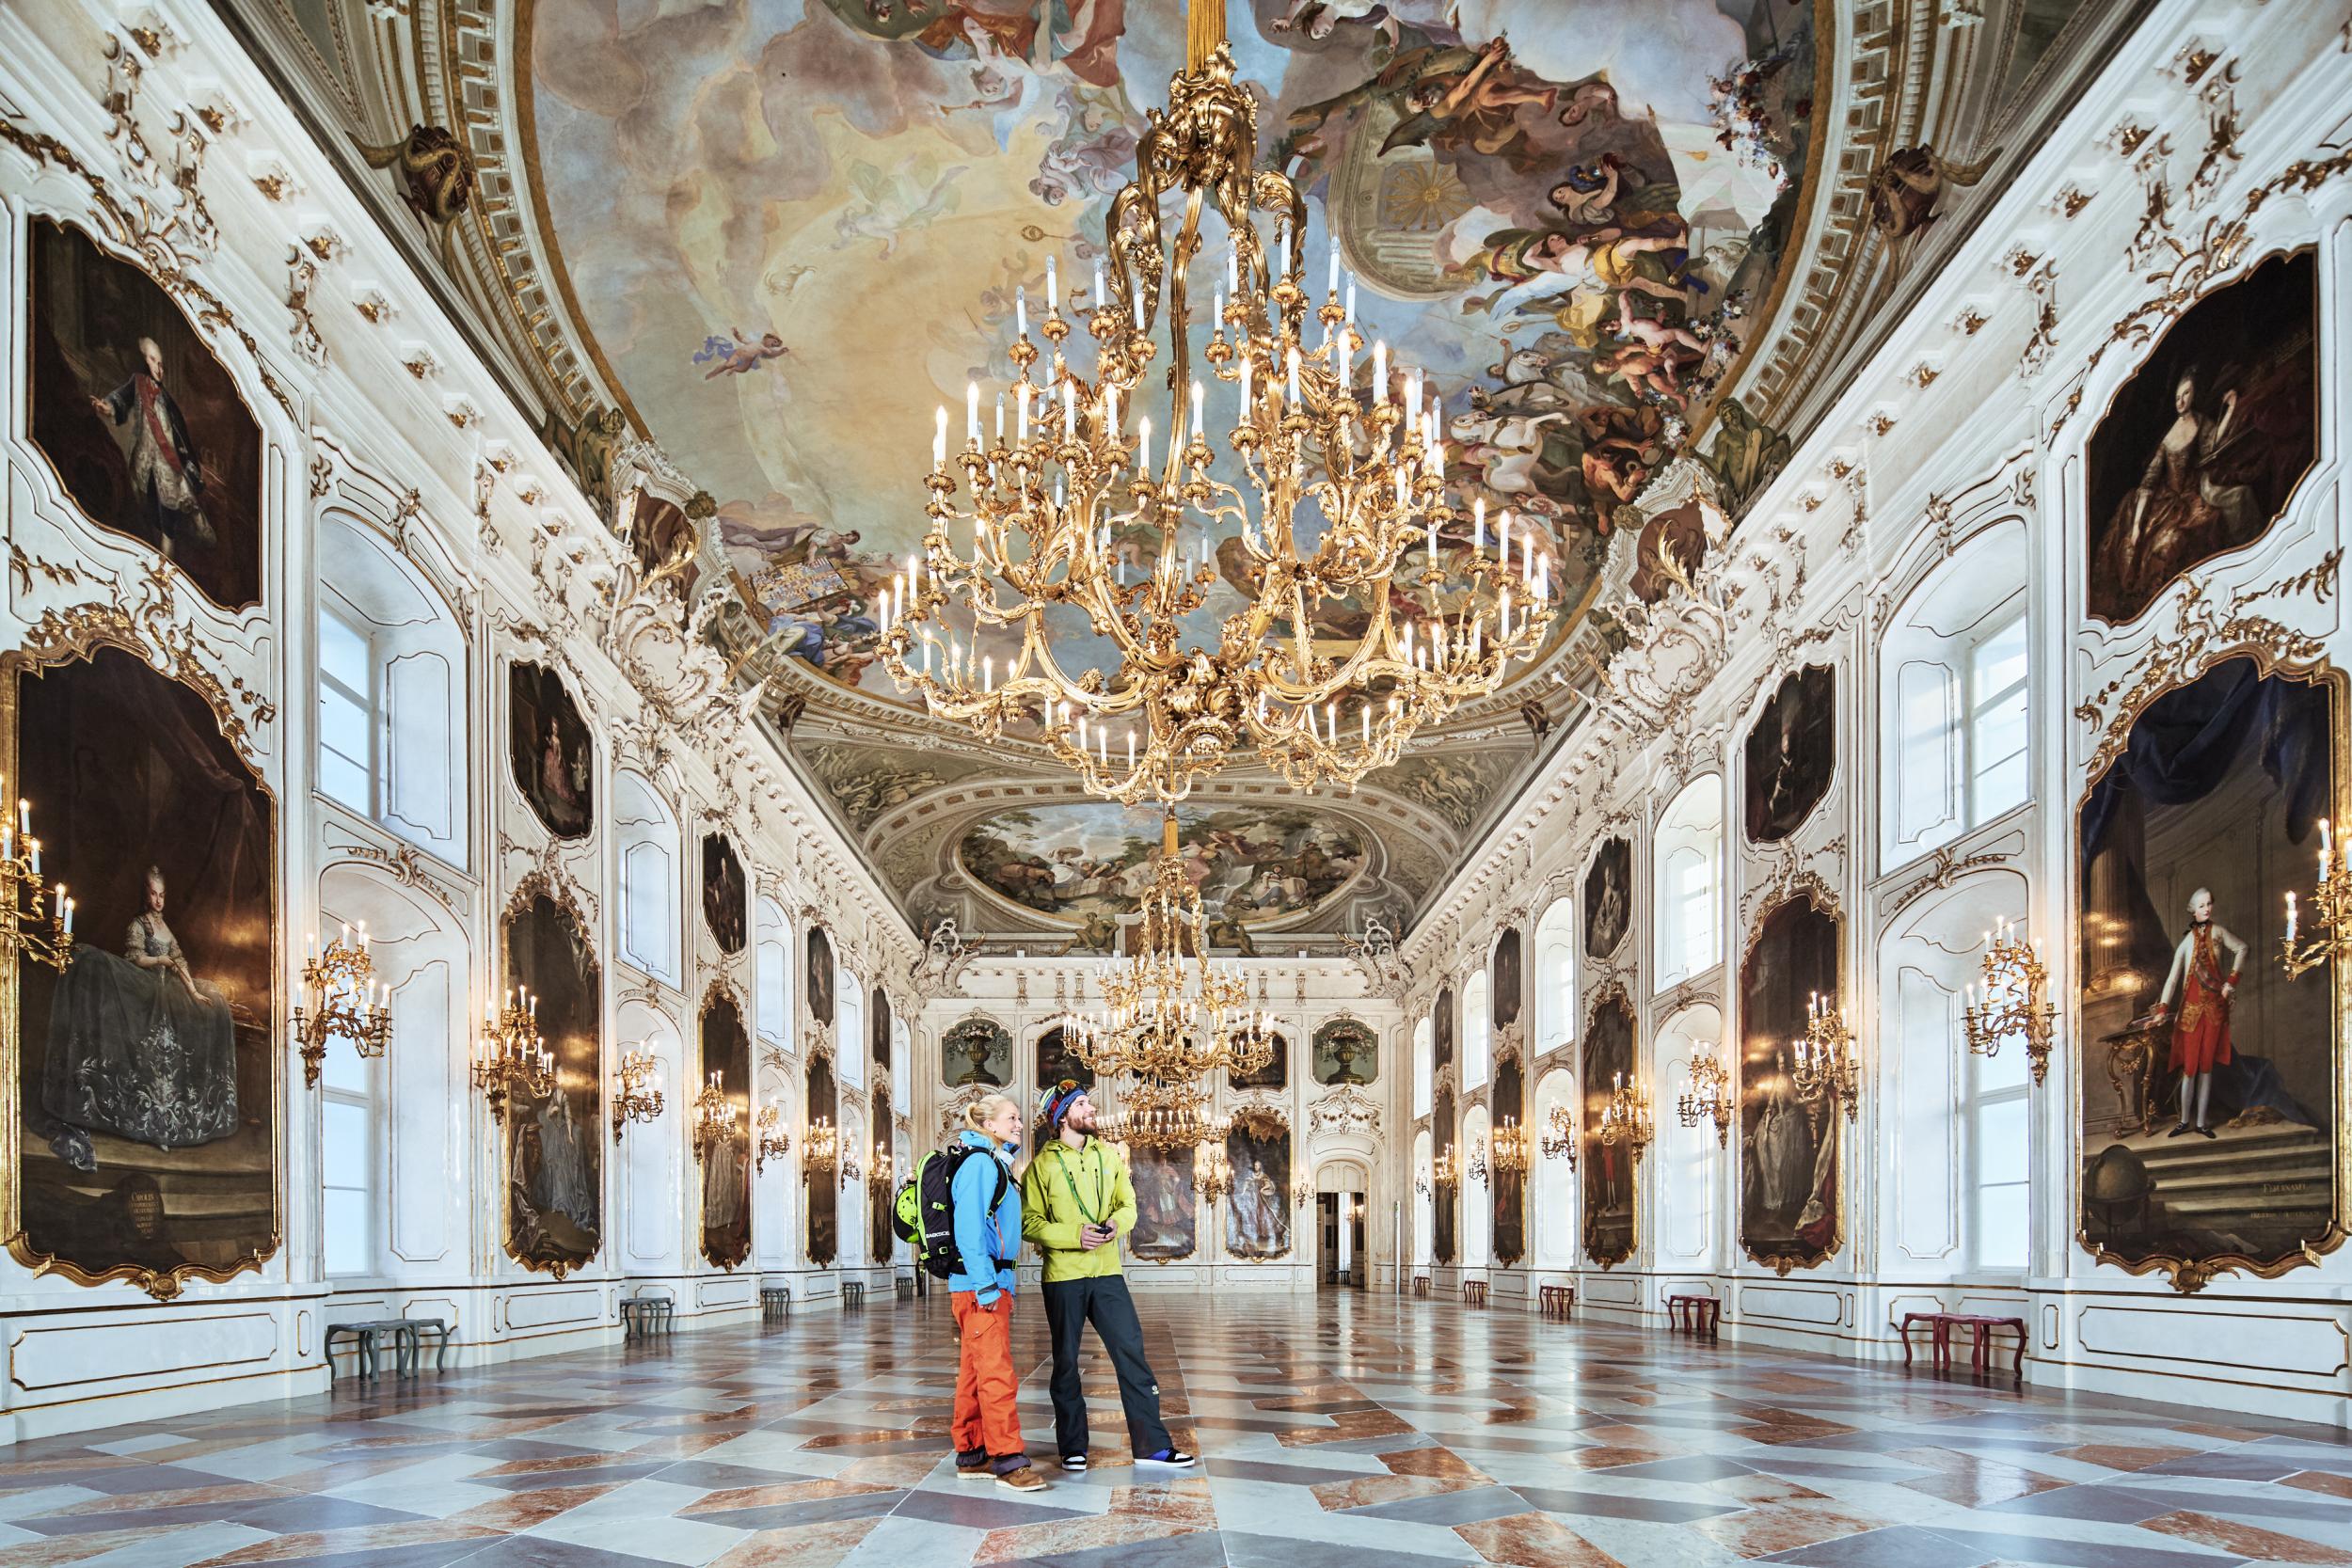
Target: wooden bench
pixel 1696 1315
pixel 1474 1292
pixel 1557 1301
pixel 906 1287
pixel 406 1335
pixel 853 1292
pixel 642 1317
pixel 1420 1284
pixel 1940 1326
pixel 775 1302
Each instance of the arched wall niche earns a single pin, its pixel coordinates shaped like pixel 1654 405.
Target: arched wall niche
pixel 1552 1197
pixel 775 1212
pixel 1477 1206
pixel 1554 1000
pixel 1687 863
pixel 1683 1192
pixel 650 1154
pixel 650 863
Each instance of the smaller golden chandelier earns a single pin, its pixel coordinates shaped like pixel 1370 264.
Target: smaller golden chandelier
pixel 341 995
pixel 511 1058
pixel 1163 1117
pixel 1627 1119
pixel 1706 1094
pixel 636 1096
pixel 2014 1004
pixel 35 922
pixel 1825 1064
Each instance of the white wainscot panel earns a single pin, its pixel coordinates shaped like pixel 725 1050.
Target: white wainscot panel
pixel 734 1292
pixel 1791 1304
pixel 43 1359
pixel 1612 1291
pixel 2303 1346
pixel 554 1308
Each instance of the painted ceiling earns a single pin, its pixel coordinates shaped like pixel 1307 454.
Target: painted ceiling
pixel 764 238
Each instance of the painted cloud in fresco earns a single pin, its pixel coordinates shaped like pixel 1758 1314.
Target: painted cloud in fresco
pixel 792 227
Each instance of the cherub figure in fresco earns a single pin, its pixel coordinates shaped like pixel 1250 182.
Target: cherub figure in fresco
pixel 1454 98
pixel 1317 20
pixel 1534 261
pixel 740 356
pixel 1606 192
pixel 1644 356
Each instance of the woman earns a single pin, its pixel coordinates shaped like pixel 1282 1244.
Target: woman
pixel 2183 510
pixel 986 1202
pixel 138 1046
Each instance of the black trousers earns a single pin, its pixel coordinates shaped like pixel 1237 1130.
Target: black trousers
pixel 1070 1305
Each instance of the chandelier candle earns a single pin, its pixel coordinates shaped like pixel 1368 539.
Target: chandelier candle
pixel 1225 645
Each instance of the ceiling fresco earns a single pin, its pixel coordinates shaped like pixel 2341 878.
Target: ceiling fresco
pixel 741 248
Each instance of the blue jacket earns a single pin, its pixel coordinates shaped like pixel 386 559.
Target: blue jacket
pixel 981 1237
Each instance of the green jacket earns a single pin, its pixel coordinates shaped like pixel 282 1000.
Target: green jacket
pixel 1060 1191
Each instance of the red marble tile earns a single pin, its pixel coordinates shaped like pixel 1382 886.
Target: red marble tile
pixel 2321 1481
pixel 521 1510
pixel 1761 1531
pixel 778 1495
pixel 1364 1490
pixel 1970 1479
pixel 2250 1540
pixel 1434 1461
pixel 191 1496
pixel 1533 1541
pixel 817 1546
pixel 1348 1427
pixel 1136 1514
pixel 365 1538
pixel 61 1549
pixel 2116 1456
pixel 1610 1456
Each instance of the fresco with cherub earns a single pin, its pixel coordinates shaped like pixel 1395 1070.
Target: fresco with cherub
pixel 1572 216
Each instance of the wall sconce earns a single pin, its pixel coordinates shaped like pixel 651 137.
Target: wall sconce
pixel 510 1056
pixel 881 1167
pixel 2332 896
pixel 774 1142
pixel 1706 1094
pixel 341 995
pixel 1560 1140
pixel 1627 1119
pixel 2013 995
pixel 1510 1149
pixel 1213 1176
pixel 1446 1170
pixel 35 922
pixel 714 1116
pixel 1478 1160
pixel 821 1149
pixel 1824 1061
pixel 1303 1193
pixel 635 1098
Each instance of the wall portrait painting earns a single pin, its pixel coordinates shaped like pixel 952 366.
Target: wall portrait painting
pixel 977 1051
pixel 1167 1205
pixel 554 1147
pixel 817 1187
pixel 1258 1210
pixel 880 1200
pixel 1055 1062
pixel 1792 1201
pixel 1791 752
pixel 144 426
pixel 1510 1186
pixel 548 746
pixel 1509 978
pixel 2213 1095
pixel 1608 1189
pixel 819 976
pixel 145 1077
pixel 1347 1050
pixel 724 894
pixel 2200 449
pixel 878 1031
pixel 1445 1194
pixel 727 1166
pixel 1608 897
pixel 1442 1034
pixel 1275 1074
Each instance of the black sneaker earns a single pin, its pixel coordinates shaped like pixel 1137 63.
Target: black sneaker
pixel 1168 1459
pixel 1073 1461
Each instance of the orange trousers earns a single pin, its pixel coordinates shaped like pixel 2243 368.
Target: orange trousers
pixel 986 1414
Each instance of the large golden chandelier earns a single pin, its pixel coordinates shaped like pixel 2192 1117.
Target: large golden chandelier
pixel 1333 503
pixel 1170 1013
pixel 1164 1115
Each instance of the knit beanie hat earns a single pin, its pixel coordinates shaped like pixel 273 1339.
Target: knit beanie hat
pixel 1058 1104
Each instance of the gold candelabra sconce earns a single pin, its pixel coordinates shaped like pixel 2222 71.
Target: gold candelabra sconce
pixel 1626 1118
pixel 36 921
pixel 881 1165
pixel 2331 902
pixel 2015 1000
pixel 715 1116
pixel 1303 1193
pixel 1825 1064
pixel 1706 1094
pixel 635 1097
pixel 1213 1176
pixel 1510 1149
pixel 821 1149
pixel 1446 1170
pixel 773 1143
pixel 510 1057
pixel 341 995
pixel 1477 1168
pixel 1559 1141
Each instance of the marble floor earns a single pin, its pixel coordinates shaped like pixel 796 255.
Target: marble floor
pixel 1349 1431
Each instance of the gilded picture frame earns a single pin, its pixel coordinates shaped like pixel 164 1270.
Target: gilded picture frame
pixel 1803 893
pixel 1595 1076
pixel 723 1246
pixel 534 887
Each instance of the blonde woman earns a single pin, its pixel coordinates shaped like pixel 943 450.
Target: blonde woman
pixel 987 1213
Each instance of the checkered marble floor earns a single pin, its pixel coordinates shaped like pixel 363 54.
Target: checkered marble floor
pixel 1350 1432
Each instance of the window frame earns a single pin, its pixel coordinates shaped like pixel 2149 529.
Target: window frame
pixel 370 703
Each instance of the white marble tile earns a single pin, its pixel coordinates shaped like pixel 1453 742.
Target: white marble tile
pixel 682 1541
pixel 899 1542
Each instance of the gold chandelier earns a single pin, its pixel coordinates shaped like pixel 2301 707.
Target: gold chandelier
pixel 1627 1119
pixel 1213 1176
pixel 1510 1149
pixel 636 1096
pixel 510 1057
pixel 1825 1061
pixel 774 1142
pixel 1164 1115
pixel 341 995
pixel 2014 1002
pixel 715 1117
pixel 1335 477
pixel 34 921
pixel 1559 1142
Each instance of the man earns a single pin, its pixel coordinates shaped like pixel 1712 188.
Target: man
pixel 1077 1205
pixel 165 469
pixel 2200 1038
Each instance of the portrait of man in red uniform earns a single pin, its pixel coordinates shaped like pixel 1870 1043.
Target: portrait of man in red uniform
pixel 2200 1033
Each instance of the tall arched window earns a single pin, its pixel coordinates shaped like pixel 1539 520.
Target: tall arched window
pixel 1425 1067
pixel 1687 856
pixel 392 682
pixel 849 1030
pixel 1555 975
pixel 1477 1030
pixel 771 973
pixel 645 838
pixel 1953 697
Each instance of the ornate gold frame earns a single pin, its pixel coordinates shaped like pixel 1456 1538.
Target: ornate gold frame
pixel 1583 915
pixel 1802 885
pixel 1445 1198
pixel 1263 1114
pixel 1194 1250
pixel 1315 1044
pixel 535 884
pixel 1611 994
pixel 1508 1056
pixel 509 663
pixel 51 643
pixel 718 991
pixel 2189 1276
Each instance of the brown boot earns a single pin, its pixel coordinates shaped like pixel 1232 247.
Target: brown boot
pixel 1023 1480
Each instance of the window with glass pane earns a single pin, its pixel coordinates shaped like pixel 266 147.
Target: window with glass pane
pixel 1997 722
pixel 347 713
pixel 1927 731
pixel 347 1156
pixel 645 917
pixel 767 997
pixel 1998 1121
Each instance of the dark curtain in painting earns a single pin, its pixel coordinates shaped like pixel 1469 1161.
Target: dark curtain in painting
pixel 1791 752
pixel 1608 898
pixel 1508 976
pixel 144 1090
pixel 726 1169
pixel 1510 1187
pixel 554 1144
pixel 817 1186
pixel 726 895
pixel 547 745
pixel 819 976
pixel 1789 1178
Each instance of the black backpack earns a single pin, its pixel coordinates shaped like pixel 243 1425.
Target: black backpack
pixel 925 1214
